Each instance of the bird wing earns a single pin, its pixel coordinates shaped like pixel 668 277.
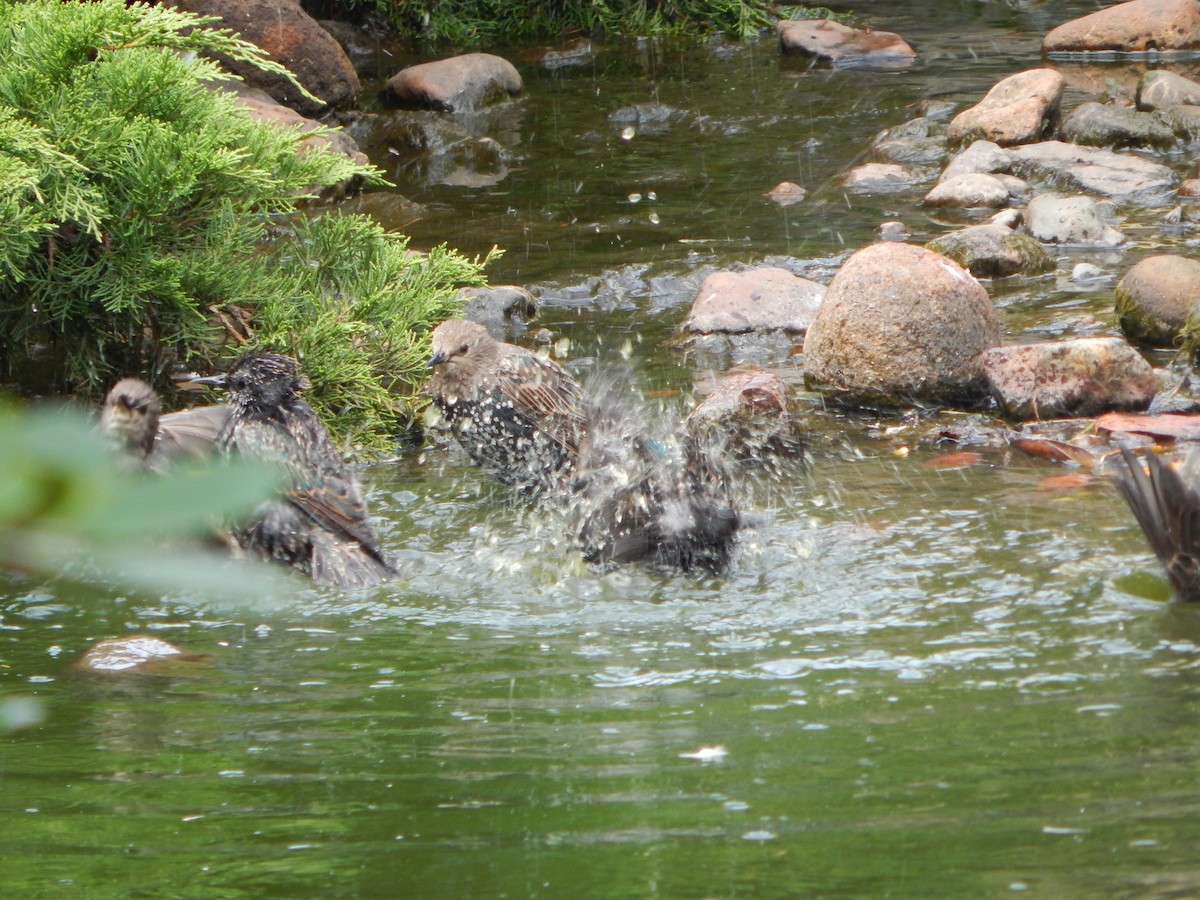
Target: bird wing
pixel 1169 512
pixel 545 393
pixel 190 433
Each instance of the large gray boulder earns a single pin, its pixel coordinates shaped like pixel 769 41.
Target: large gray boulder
pixel 1124 177
pixel 1107 125
pixel 899 325
pixel 1061 379
pixel 1154 298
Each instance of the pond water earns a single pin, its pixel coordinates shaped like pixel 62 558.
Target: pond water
pixel 914 680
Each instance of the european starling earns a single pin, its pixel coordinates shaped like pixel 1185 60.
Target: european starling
pixel 1168 509
pixel 667 502
pixel 319 526
pixel 518 416
pixel 131 420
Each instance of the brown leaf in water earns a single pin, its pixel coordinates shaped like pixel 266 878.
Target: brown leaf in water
pixel 1162 427
pixel 1065 481
pixel 955 459
pixel 1060 451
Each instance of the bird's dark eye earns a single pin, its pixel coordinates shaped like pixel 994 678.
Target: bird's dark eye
pixel 462 351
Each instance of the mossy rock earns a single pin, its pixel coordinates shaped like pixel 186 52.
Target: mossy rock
pixel 994 251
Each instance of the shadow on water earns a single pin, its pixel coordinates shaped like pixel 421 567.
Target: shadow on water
pixel 915 679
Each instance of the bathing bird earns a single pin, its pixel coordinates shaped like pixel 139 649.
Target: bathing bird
pixel 519 417
pixel 319 525
pixel 134 425
pixel 663 500
pixel 1168 509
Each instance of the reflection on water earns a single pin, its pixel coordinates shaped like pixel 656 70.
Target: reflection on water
pixel 915 679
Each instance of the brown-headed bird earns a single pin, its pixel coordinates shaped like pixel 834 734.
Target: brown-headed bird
pixel 319 525
pixel 1168 509
pixel 133 423
pixel 519 417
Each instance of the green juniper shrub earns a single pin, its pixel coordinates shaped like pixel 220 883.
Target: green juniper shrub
pixel 143 211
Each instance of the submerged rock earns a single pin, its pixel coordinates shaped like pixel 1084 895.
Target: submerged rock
pixel 994 251
pixel 840 44
pixel 498 307
pixel 878 178
pixel 1063 379
pixel 1154 298
pixel 1017 110
pixel 1054 219
pixel 138 653
pixel 900 324
pixel 456 84
pixel 1159 87
pixel 766 298
pixel 1137 26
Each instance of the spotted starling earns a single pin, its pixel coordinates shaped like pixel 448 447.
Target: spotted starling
pixel 131 420
pixel 665 501
pixel 518 416
pixel 319 525
pixel 1168 509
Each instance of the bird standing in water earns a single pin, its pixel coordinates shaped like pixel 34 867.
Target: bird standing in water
pixel 518 416
pixel 319 526
pixel 132 422
pixel 1168 509
pixel 526 421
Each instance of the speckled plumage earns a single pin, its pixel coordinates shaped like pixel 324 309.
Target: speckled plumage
pixel 520 417
pixel 1168 509
pixel 319 526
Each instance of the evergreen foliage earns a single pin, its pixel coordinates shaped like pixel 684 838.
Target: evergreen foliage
pixel 144 210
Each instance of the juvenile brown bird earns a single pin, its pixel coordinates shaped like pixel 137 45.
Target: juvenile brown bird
pixel 1168 509
pixel 520 417
pixel 133 423
pixel 319 526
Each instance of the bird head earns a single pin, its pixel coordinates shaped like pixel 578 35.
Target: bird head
pixel 130 416
pixel 261 379
pixel 462 346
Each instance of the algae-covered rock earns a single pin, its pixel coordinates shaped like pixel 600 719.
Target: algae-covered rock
pixel 994 251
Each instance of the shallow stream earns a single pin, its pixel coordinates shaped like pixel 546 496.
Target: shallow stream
pixel 916 680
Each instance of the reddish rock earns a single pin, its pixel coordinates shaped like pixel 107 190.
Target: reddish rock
pixel 900 325
pixel 762 299
pixel 840 44
pixel 1017 110
pixel 459 83
pixel 745 415
pixel 1134 27
pixel 1154 298
pixel 1063 379
pixel 292 37
pixel 786 193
